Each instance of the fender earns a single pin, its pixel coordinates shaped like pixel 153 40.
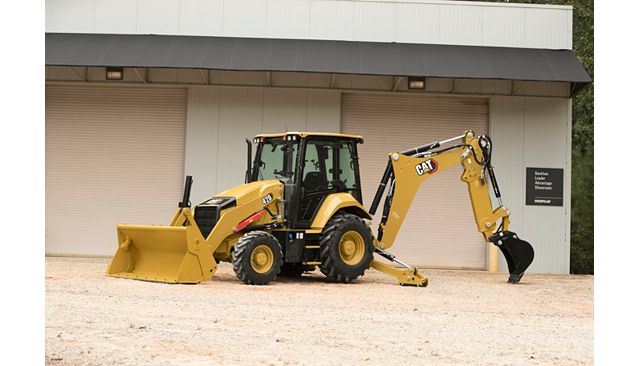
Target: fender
pixel 332 204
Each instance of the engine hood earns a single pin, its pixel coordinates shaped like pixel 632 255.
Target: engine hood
pixel 247 191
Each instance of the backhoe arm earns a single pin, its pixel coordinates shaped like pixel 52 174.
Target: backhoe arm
pixel 409 169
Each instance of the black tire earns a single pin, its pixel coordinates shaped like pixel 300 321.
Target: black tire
pixel 294 269
pixel 245 264
pixel 334 265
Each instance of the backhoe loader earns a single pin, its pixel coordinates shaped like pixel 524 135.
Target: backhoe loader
pixel 301 208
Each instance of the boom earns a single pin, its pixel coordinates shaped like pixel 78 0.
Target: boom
pixel 407 170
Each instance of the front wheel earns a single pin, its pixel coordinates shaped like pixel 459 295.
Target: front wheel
pixel 257 258
pixel 346 248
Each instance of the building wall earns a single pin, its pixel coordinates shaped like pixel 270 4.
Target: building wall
pixel 534 132
pixel 402 21
pixel 220 118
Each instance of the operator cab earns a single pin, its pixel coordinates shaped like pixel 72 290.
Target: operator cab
pixel 312 166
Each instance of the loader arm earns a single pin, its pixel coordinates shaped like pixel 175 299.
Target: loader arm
pixel 407 170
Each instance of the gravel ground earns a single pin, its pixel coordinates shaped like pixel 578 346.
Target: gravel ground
pixel 461 318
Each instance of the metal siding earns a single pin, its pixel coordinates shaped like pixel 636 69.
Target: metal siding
pixel 70 16
pixel 418 23
pixel 245 18
pixel 323 110
pixel 439 230
pixel 532 132
pixel 113 154
pixel 114 16
pixel 240 117
pixel 364 82
pixel 158 16
pixel 567 185
pixel 220 118
pixel 374 23
pixel 496 20
pixel 506 128
pixel 480 24
pixel 201 17
pixel 284 110
pixel 248 78
pixel 545 146
pixel 547 28
pixel 203 113
pixel 460 25
pixel 287 19
pixel 330 19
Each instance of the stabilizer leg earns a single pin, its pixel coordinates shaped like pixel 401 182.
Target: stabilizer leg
pixel 408 276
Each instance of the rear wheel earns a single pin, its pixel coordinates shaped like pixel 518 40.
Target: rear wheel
pixel 346 248
pixel 257 258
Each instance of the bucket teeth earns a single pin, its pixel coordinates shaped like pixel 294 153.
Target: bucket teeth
pixel 514 278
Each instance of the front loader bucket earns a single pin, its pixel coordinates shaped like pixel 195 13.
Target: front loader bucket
pixel 518 253
pixel 174 254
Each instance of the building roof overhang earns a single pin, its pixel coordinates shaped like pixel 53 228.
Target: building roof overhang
pixel 316 56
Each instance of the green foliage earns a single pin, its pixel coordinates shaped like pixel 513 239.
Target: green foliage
pixel 582 136
pixel 582 149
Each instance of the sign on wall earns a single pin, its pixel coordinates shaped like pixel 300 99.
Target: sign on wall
pixel 544 187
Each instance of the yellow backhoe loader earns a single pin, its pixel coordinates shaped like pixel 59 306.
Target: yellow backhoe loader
pixel 301 208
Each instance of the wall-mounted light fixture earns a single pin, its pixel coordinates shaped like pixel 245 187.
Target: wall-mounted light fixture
pixel 416 83
pixel 114 73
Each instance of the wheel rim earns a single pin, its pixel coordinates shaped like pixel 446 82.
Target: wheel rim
pixel 352 248
pixel 262 259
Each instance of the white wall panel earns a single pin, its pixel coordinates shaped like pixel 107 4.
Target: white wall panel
pixel 329 19
pixel 240 117
pixel 245 18
pixel 546 28
pixel 284 110
pixel 71 16
pixel 158 17
pixel 533 132
pixel 203 112
pixel 374 23
pixel 503 26
pixel 425 21
pixel 220 118
pixel 201 17
pixel 418 23
pixel 115 16
pixel 287 18
pixel 460 25
pixel 323 111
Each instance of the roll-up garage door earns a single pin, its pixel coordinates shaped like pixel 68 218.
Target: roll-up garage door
pixel 113 155
pixel 439 230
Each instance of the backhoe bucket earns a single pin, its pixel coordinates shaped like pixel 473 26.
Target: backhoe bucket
pixel 517 252
pixel 173 254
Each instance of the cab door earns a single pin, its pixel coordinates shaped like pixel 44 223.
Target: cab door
pixel 328 166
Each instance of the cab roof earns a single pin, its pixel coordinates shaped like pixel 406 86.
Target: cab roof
pixel 311 134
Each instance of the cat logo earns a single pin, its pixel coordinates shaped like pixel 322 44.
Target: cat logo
pixel 428 166
pixel 266 199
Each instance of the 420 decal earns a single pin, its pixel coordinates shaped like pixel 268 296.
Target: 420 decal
pixel 428 166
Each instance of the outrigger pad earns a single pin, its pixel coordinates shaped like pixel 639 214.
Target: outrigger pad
pixel 518 253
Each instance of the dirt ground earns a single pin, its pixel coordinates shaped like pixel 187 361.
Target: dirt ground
pixel 461 318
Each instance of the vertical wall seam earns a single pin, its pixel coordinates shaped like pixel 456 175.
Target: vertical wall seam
pixel 262 111
pixel 179 17
pixel 306 109
pixel 218 138
pixel 137 15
